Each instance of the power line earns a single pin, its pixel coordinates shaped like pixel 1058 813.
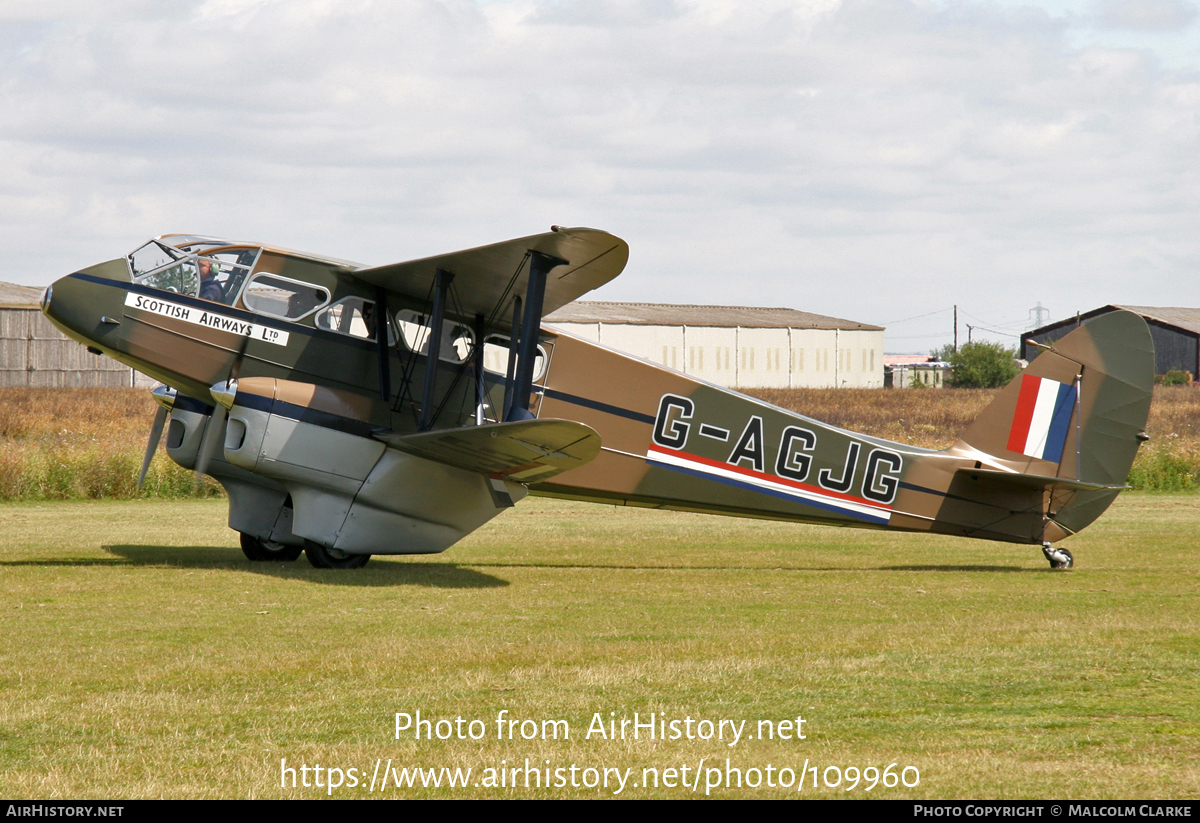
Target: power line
pixel 997 331
pixel 1010 324
pixel 918 317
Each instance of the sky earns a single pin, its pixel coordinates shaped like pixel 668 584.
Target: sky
pixel 877 160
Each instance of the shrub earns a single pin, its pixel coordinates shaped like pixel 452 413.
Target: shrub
pixel 983 365
pixel 1165 470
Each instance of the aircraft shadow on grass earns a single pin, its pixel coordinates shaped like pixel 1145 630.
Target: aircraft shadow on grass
pixel 772 568
pixel 434 575
pixel 441 575
pixel 956 569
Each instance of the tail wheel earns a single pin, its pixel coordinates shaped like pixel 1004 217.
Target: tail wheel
pixel 263 550
pixel 324 558
pixel 1059 558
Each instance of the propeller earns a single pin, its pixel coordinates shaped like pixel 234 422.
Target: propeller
pixel 224 392
pixel 165 397
pixel 209 441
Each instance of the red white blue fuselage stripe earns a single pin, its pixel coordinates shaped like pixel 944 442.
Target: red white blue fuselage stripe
pixel 1042 419
pixel 751 480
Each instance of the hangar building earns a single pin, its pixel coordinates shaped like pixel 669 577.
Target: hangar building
pixel 34 353
pixel 736 346
pixel 1176 334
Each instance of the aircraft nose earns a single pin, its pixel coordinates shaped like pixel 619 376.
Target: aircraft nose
pixel 81 307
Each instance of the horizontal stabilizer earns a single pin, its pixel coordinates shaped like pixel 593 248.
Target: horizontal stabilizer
pixel 527 451
pixel 487 275
pixel 1037 481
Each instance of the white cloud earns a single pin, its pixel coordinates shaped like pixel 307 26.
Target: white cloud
pixel 866 159
pixel 1146 15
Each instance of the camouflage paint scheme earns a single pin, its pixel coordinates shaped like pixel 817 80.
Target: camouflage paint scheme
pixel 673 442
pixel 361 475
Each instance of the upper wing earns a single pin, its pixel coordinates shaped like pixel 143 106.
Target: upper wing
pixel 484 276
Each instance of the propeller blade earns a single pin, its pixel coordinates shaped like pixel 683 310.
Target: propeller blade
pixel 156 430
pixel 209 442
pixel 236 367
pixel 224 392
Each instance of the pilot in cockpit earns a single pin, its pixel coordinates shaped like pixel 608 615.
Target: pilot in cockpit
pixel 210 289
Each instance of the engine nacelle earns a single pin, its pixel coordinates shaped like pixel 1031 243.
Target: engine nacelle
pixel 349 491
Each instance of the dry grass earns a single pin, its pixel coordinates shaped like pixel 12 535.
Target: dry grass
pixel 87 443
pixel 73 444
pixel 934 419
pixel 923 417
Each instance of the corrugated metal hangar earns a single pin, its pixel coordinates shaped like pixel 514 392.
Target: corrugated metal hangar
pixel 1175 331
pixel 34 353
pixel 736 346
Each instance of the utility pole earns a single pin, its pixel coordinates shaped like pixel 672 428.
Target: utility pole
pixel 956 328
pixel 970 328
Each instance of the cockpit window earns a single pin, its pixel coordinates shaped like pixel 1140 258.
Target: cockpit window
pixel 215 275
pixel 182 277
pixel 151 256
pixel 230 269
pixel 283 297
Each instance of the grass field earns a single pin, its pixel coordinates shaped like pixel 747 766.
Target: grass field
pixel 146 658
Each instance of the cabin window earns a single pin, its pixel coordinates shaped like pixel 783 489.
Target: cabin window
pixel 457 340
pixel 282 297
pixel 353 316
pixel 495 357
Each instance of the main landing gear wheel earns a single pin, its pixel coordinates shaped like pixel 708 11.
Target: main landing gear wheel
pixel 262 550
pixel 1059 558
pixel 323 558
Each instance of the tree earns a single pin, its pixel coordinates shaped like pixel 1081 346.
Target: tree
pixel 983 365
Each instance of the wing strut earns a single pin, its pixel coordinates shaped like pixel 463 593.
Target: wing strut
pixel 514 335
pixel 477 368
pixel 539 266
pixel 381 338
pixel 434 350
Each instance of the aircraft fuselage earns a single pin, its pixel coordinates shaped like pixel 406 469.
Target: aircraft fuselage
pixel 314 451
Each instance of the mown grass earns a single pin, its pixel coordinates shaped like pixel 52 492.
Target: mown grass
pixel 81 444
pixel 148 659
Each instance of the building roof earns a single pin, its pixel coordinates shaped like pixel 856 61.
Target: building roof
pixel 16 296
pixel 666 314
pixel 1186 319
pixel 906 359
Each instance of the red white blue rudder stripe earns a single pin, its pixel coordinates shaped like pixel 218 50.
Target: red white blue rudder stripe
pixel 1043 418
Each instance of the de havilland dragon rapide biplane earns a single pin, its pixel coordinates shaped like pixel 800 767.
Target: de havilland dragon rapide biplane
pixel 352 410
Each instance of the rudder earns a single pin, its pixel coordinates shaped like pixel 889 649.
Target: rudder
pixel 1078 413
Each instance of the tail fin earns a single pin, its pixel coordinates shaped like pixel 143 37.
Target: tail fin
pixel 1073 420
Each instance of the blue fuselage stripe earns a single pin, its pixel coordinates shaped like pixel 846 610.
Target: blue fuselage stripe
pixel 881 521
pixel 587 403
